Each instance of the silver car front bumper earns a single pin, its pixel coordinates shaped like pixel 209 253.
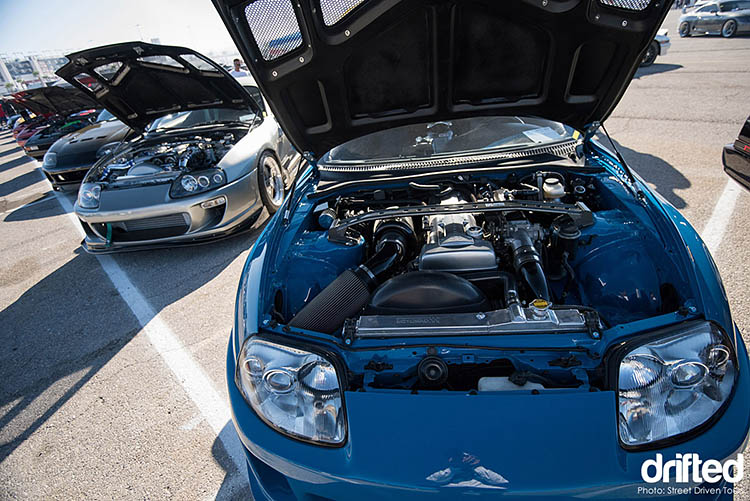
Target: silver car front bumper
pixel 132 219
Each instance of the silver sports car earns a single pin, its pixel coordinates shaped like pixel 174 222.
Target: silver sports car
pixel 208 158
pixel 726 18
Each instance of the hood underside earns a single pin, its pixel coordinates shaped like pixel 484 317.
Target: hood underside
pixel 334 70
pixel 55 100
pixel 139 82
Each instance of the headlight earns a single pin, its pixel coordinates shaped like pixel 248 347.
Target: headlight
pixel 674 384
pixel 88 196
pixel 295 391
pixel 50 159
pixel 197 182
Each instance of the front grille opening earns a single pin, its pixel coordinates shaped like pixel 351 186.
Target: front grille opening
pixel 68 177
pixel 151 228
pixel 274 27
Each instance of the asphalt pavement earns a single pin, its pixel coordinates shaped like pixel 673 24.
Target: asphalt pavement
pixel 112 369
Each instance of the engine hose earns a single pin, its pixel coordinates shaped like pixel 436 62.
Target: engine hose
pixel 349 292
pixel 534 277
pixel 527 262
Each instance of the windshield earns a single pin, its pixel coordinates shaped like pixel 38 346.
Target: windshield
pixel 186 119
pixel 105 116
pixel 436 139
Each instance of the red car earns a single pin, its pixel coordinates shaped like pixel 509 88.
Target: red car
pixel 32 122
pixel 48 104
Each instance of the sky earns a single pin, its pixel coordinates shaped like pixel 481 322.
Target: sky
pixel 61 26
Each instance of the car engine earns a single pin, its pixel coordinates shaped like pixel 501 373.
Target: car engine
pixel 448 263
pixel 163 161
pixel 444 257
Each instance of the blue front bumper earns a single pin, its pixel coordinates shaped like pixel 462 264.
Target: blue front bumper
pixel 445 445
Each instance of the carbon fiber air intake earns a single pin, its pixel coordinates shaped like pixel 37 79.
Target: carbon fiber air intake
pixel 342 299
pixel 350 292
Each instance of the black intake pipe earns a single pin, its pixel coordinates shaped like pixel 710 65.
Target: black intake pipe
pixel 527 262
pixel 350 292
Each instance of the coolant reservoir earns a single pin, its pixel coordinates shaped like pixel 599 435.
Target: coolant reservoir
pixel 505 384
pixel 553 189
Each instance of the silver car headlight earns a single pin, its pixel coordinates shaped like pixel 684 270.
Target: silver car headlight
pixel 88 195
pixel 674 384
pixel 50 160
pixel 295 391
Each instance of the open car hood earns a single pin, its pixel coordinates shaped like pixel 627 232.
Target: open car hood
pixel 139 82
pixel 55 100
pixel 334 70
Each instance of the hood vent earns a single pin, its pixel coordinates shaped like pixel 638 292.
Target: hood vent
pixel 627 4
pixel 274 27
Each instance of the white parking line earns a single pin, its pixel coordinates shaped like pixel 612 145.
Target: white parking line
pixel 188 373
pixel 713 231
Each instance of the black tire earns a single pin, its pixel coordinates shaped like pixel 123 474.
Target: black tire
pixel 271 182
pixel 729 29
pixel 684 29
pixel 650 56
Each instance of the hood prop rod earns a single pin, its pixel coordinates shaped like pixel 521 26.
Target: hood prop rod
pixel 289 206
pixel 591 130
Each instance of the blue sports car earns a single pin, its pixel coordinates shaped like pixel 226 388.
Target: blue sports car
pixel 465 293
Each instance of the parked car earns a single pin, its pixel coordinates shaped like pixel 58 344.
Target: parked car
pixel 69 159
pixel 466 294
pixel 727 18
pixel 25 133
pixel 12 121
pixel 24 127
pixel 50 105
pixel 658 47
pixel 736 157
pixel 206 160
pixel 38 144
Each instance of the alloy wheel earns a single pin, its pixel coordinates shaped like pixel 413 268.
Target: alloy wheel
pixel 273 179
pixel 729 29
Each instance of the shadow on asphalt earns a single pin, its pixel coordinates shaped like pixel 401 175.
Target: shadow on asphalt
pixel 60 332
pixel 29 207
pixel 8 152
pixel 19 182
pixel 235 485
pixel 56 337
pixel 655 68
pixel 656 171
pixel 16 162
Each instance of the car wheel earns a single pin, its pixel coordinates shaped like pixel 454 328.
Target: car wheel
pixel 650 56
pixel 729 29
pixel 685 29
pixel 271 182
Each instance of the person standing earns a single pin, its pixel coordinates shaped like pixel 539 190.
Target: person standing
pixel 238 71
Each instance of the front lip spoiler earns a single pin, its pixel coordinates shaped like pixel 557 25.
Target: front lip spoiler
pixel 244 227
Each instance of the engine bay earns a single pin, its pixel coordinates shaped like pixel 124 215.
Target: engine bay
pixel 162 161
pixel 466 257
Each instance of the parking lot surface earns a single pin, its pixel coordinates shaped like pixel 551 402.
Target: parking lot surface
pixel 112 367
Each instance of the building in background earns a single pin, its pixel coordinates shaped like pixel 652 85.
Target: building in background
pixel 28 72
